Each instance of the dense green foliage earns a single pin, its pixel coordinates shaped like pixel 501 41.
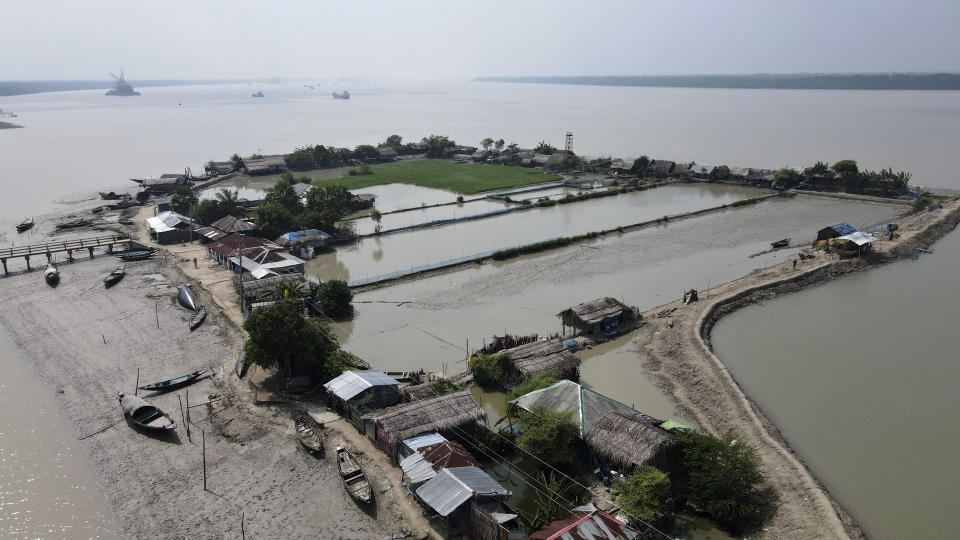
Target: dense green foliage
pixel 183 200
pixel 554 498
pixel 722 476
pixel 237 161
pixel 544 148
pixel 366 151
pixel 444 386
pixel 395 142
pixel 436 145
pixel 281 337
pixel 530 385
pixel 283 212
pixel 334 297
pixel 549 435
pixel 846 176
pixel 226 203
pixel 466 178
pixel 640 165
pixel 273 220
pixel 487 368
pixel 642 494
pixel 922 204
pixel 283 194
pixel 504 254
pixel 785 178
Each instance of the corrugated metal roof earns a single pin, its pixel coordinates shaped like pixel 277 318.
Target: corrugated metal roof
pixel 843 228
pixel 417 468
pixel 587 406
pixel 168 221
pixel 453 487
pixel 859 238
pixel 349 384
pixel 585 523
pixel 415 443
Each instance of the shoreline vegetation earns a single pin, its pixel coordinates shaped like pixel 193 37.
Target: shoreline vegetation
pixel 759 81
pixel 19 88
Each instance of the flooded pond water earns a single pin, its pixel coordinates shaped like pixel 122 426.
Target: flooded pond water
pixel 381 255
pixel 46 488
pixel 365 225
pixel 860 376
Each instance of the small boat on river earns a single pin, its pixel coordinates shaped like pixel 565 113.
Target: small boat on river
pixel 309 433
pixel 138 255
pixel 353 477
pixel 25 225
pixel 113 277
pixel 51 275
pixel 144 416
pixel 174 383
pixel 780 243
pixel 341 95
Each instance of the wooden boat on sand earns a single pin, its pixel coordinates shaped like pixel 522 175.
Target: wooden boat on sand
pixel 780 243
pixel 113 277
pixel 353 477
pixel 309 433
pixel 174 383
pixel 197 318
pixel 138 255
pixel 144 416
pixel 25 225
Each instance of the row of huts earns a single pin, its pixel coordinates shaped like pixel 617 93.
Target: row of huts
pixel 427 434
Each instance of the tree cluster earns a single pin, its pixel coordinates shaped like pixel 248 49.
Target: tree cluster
pixel 549 435
pixel 283 210
pixel 846 176
pixel 334 297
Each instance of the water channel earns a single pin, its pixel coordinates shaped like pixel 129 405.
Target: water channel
pixel 860 376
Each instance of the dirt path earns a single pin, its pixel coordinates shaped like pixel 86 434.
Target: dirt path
pixel 680 354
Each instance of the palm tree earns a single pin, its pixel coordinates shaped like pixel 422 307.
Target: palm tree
pixel 229 201
pixel 486 143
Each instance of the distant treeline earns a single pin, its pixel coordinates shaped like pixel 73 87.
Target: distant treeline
pixel 14 88
pixel 799 81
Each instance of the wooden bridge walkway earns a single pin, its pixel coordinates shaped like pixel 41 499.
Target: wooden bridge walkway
pixel 68 246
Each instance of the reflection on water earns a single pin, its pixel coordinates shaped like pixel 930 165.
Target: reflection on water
pixel 426 246
pixel 46 490
pixel 860 375
pixel 418 217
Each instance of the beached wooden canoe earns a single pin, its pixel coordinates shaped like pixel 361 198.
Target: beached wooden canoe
pixel 51 275
pixel 781 243
pixel 309 433
pixel 144 416
pixel 174 383
pixel 353 477
pixel 25 225
pixel 113 277
pixel 138 255
pixel 197 318
pixel 241 366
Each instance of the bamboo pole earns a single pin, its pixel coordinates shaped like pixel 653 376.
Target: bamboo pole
pixel 203 440
pixel 183 418
pixel 137 385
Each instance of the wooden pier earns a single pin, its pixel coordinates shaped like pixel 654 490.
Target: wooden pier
pixel 68 246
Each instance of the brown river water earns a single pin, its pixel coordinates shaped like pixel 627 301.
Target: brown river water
pixel 860 374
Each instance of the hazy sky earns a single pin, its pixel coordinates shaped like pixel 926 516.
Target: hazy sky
pixel 78 39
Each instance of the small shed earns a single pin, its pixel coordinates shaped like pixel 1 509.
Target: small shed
pixel 216 168
pixel 681 170
pixel 631 439
pixel 164 184
pixel 702 170
pixel 480 155
pixel 854 244
pixel 835 231
pixel 585 523
pixel 429 460
pixel 602 314
pixel 170 227
pixel 446 494
pixel 387 153
pixel 361 201
pixel 760 177
pixel 303 243
pixel 371 388
pixel 739 172
pixel 660 168
pixel 538 357
pixel 411 445
pixel 455 413
pixel 587 406
pixel 302 188
pixel 265 165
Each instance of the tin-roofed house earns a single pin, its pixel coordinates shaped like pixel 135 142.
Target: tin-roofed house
pixel 760 177
pixel 231 224
pixel 600 315
pixel 537 358
pixel 702 170
pixel 454 415
pixel 430 460
pixel 446 496
pixel 835 231
pixel 217 168
pixel 170 227
pixel 585 523
pixel 586 406
pixel 265 165
pixel 369 389
pixel 304 243
pixel 411 445
pixel 660 168
pixel 387 153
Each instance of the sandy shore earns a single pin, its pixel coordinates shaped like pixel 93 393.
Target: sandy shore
pixel 88 343
pixel 679 353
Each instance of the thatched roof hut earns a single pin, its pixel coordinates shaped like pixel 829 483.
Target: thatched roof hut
pixel 537 357
pixel 631 439
pixel 596 315
pixel 454 411
pixel 586 406
pixel 416 392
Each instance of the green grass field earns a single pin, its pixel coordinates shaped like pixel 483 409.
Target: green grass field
pixel 465 178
